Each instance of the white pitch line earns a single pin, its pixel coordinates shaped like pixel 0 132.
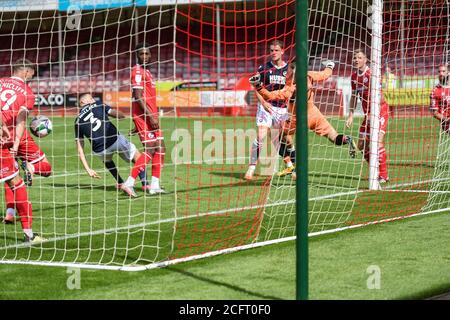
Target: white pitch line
pixel 212 213
pixel 223 211
pixel 145 224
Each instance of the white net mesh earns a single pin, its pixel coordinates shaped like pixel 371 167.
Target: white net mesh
pixel 202 55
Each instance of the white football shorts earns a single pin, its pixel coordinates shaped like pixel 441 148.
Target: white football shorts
pixel 274 120
pixel 122 146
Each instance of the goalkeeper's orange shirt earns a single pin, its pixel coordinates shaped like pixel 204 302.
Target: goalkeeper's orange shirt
pixel 141 78
pixel 289 89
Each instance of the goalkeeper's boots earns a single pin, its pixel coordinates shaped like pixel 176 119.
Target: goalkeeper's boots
pixel 27 175
pixel 351 147
pixel 36 239
pixel 9 219
pixel 286 171
pixel 129 191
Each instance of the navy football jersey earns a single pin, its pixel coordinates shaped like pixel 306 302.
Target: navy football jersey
pixel 274 78
pixel 93 123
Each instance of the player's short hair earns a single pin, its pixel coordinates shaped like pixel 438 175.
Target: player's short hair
pixel 277 43
pixel 359 50
pixel 443 65
pixel 82 96
pixel 141 45
pixel 23 64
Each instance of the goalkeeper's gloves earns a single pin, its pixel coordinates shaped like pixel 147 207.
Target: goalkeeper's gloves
pixel 329 64
pixel 255 81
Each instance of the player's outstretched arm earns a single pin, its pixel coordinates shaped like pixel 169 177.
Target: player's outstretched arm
pixel 283 94
pixel 267 106
pixel 139 98
pixel 323 75
pixel 90 172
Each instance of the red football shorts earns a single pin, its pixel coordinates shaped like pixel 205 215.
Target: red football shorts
pixel 29 150
pixel 364 129
pixel 146 133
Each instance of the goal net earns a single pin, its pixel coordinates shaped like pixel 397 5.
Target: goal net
pixel 202 54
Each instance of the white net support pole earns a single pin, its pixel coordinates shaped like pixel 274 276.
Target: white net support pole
pixel 375 94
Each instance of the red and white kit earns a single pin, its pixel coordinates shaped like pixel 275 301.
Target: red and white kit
pixel 15 95
pixel 361 84
pixel 440 101
pixel 141 78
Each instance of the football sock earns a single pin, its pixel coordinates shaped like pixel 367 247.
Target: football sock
pixel 29 233
pixel 283 150
pixel 10 212
pixel 157 165
pixel 111 166
pixel 383 162
pixel 140 164
pixel 143 176
pixel 9 197
pixel 155 183
pixel 23 206
pixel 130 182
pixel 291 153
pixel 254 154
pixel 42 168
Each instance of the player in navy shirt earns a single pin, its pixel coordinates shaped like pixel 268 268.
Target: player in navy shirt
pixel 273 77
pixel 93 123
pixel 270 115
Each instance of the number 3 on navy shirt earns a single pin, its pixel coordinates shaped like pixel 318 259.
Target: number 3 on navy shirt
pixel 92 119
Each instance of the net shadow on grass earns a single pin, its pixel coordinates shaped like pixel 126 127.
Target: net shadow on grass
pixel 221 284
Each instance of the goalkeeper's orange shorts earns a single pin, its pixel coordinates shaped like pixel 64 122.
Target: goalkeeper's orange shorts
pixel 317 122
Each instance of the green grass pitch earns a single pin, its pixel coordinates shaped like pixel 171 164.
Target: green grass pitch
pixel 89 221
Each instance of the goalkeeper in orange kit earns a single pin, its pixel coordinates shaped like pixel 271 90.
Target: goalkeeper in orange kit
pixel 316 120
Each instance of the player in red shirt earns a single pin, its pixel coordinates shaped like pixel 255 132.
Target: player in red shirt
pixel 145 117
pixel 33 160
pixel 361 89
pixel 16 100
pixel 440 99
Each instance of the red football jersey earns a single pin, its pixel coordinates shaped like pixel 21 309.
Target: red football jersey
pixel 15 94
pixel 440 100
pixel 142 79
pixel 361 84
